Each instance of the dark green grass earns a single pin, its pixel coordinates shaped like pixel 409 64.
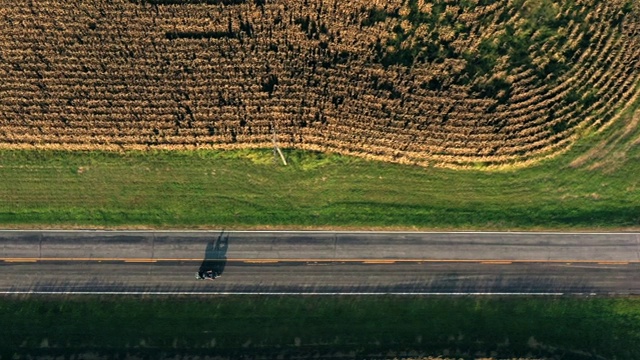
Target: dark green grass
pixel 243 189
pixel 567 328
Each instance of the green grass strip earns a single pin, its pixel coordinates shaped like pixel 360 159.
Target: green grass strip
pixel 243 189
pixel 567 328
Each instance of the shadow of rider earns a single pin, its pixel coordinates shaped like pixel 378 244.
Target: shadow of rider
pixel 215 258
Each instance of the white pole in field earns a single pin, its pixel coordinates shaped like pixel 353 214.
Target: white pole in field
pixel 275 146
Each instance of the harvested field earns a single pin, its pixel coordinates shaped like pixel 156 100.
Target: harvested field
pixel 444 83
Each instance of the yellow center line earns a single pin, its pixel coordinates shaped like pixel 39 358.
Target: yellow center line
pixel 315 260
pixel 487 261
pixel 98 259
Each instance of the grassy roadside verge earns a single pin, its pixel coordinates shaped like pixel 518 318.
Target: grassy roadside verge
pixel 231 190
pixel 244 189
pixel 567 328
pixel 593 186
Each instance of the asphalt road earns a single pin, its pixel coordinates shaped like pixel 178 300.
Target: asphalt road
pixel 320 262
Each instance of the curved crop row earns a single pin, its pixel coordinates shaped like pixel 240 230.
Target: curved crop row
pixel 444 82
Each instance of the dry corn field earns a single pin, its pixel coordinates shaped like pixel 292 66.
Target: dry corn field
pixel 442 82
